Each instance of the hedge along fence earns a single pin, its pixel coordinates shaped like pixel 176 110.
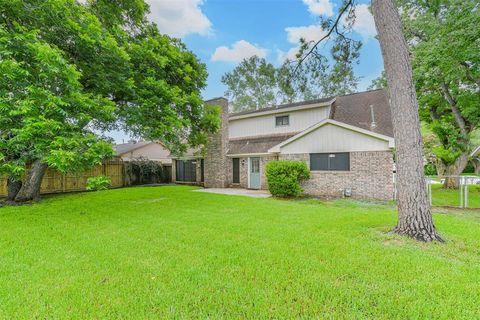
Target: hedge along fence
pixel 56 182
pixel 141 171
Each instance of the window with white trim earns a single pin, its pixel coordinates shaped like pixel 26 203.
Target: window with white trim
pixel 339 161
pixel 282 120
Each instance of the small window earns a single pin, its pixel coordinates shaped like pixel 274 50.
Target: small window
pixel 282 121
pixel 330 161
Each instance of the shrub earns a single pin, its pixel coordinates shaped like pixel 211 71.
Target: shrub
pixel 140 171
pixel 284 177
pixel 430 169
pixel 98 183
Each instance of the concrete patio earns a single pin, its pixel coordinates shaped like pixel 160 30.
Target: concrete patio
pixel 237 192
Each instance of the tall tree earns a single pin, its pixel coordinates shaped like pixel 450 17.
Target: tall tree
pixel 44 114
pixel 252 84
pixel 414 212
pixel 446 63
pixel 115 61
pixel 256 83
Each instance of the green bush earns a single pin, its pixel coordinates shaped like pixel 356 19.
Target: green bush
pixel 430 169
pixel 284 177
pixel 98 183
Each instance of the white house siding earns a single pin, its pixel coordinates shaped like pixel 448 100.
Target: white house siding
pixel 331 138
pixel 265 125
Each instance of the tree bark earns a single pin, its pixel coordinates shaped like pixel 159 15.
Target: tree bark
pixel 414 213
pixel 13 187
pixel 30 189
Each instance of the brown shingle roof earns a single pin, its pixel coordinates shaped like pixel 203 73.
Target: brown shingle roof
pixel 262 144
pixel 354 109
pixel 282 106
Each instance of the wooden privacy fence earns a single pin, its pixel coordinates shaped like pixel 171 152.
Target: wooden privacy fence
pixel 56 182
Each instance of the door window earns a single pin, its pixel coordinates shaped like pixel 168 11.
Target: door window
pixel 255 165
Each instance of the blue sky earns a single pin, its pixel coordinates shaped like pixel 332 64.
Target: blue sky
pixel 223 32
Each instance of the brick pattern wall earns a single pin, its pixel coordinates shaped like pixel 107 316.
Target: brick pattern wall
pixel 244 171
pixel 263 170
pixel 216 161
pixel 370 176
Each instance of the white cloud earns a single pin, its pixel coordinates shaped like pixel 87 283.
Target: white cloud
pixel 320 7
pixel 309 33
pixel 177 18
pixel 240 50
pixel 291 55
pixel 364 23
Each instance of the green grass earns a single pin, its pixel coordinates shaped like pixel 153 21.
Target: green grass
pixel 167 252
pixel 451 197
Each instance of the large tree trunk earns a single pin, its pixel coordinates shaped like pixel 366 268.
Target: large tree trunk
pixel 454 170
pixel 13 187
pixel 414 214
pixel 31 187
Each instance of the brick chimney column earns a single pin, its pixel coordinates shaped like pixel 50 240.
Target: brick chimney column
pixel 216 162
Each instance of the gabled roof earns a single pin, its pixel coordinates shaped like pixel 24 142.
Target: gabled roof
pixel 390 140
pixel 130 146
pixel 255 145
pixel 356 109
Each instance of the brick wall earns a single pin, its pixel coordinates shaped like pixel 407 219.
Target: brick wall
pixel 370 176
pixel 216 161
pixel 244 171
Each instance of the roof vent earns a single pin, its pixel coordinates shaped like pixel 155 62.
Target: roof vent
pixel 373 124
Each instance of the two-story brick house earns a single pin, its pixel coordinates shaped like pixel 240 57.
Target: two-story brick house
pixel 346 141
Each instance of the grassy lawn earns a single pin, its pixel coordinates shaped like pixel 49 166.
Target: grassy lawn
pixel 167 252
pixel 451 197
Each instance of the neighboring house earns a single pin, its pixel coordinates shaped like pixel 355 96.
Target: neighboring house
pixel 151 150
pixel 346 141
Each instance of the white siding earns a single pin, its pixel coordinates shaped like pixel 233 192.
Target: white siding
pixel 331 138
pixel 265 125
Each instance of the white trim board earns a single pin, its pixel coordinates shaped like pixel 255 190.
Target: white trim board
pixel 244 155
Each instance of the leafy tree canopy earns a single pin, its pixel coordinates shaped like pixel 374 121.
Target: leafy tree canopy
pixel 256 83
pixel 446 62
pixel 72 69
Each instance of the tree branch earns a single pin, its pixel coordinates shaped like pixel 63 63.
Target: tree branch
pixel 332 28
pixel 469 75
pixel 456 112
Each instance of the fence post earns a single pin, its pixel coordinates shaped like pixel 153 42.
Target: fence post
pixel 466 194
pixel 429 190
pixel 64 182
pixel 461 192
